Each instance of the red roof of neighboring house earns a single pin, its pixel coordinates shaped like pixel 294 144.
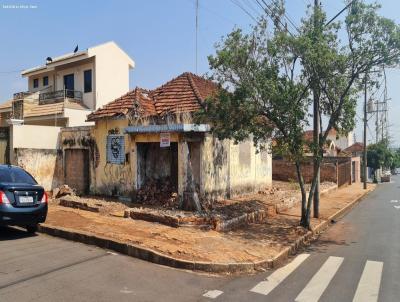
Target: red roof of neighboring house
pixel 137 99
pixel 309 134
pixel 356 147
pixel 184 93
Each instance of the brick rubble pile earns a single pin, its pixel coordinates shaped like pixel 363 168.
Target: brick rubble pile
pixel 158 192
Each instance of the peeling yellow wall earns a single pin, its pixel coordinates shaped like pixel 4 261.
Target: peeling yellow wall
pixel 249 171
pixel 214 174
pixel 108 178
pixel 230 169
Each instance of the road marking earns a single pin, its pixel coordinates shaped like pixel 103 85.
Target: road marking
pixel 394 201
pixel 212 294
pixel 397 207
pixel 273 280
pixel 370 281
pixel 125 290
pixel 320 281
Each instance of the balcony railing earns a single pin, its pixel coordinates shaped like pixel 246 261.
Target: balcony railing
pixel 60 95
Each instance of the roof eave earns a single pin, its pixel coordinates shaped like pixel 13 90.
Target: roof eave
pixel 56 62
pixel 168 128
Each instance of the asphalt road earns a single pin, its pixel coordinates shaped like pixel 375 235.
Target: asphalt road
pixel 357 258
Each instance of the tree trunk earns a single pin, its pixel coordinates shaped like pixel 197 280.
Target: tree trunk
pixel 306 221
pixel 303 193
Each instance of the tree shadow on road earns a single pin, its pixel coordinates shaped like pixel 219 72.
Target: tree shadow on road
pixel 322 245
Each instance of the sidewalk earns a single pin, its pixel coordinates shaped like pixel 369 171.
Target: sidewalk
pixel 254 245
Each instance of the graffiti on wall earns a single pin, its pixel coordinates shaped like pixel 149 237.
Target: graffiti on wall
pixel 117 181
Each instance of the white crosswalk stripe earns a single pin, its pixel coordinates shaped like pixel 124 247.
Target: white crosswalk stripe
pixel 212 294
pixel 317 285
pixel 368 287
pixel 273 280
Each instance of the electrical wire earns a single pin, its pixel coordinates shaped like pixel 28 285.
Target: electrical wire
pixel 285 14
pixel 243 9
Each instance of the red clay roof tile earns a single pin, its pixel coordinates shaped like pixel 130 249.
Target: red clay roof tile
pixel 184 93
pixel 137 99
pixel 356 147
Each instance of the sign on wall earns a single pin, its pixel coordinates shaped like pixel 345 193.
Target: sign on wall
pixel 115 149
pixel 165 140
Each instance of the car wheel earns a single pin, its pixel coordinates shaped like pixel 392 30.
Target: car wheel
pixel 32 228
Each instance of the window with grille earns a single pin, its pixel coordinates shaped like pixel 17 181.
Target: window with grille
pixel 115 149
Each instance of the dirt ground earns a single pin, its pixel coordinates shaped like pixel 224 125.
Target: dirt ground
pixel 279 193
pixel 252 243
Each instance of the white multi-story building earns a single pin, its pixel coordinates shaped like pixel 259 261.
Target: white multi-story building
pixel 67 88
pixel 60 93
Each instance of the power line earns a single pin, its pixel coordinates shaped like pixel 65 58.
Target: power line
pixel 197 30
pixel 285 14
pixel 339 13
pixel 270 13
pixel 243 9
pixel 250 5
pixel 205 8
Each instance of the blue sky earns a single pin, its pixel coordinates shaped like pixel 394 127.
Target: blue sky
pixel 158 34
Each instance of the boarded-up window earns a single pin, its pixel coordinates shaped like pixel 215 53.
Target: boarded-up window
pixel 115 149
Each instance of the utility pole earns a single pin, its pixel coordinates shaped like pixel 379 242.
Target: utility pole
pixel 197 29
pixel 365 134
pixel 316 122
pixel 318 26
pixel 377 123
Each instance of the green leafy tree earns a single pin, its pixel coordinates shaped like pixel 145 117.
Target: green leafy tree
pixel 380 156
pixel 396 159
pixel 268 75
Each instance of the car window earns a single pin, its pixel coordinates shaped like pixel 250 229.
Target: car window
pixel 16 176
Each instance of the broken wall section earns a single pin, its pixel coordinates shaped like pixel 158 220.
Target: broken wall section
pixel 45 165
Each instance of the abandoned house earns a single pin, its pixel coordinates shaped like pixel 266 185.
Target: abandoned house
pixel 147 139
pixel 61 93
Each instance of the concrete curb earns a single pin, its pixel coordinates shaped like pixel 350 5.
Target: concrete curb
pixel 158 258
pixel 145 253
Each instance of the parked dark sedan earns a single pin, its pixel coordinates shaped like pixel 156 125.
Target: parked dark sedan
pixel 22 201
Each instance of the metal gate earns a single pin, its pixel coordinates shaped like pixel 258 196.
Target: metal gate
pixel 76 167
